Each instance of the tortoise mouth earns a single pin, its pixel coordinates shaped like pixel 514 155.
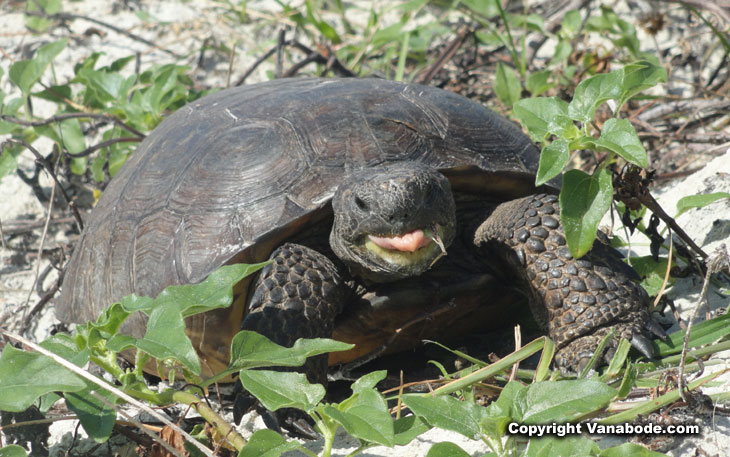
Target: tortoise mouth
pixel 410 248
pixel 409 241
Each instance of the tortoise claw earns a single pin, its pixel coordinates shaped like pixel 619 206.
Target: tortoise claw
pixel 656 329
pixel 644 345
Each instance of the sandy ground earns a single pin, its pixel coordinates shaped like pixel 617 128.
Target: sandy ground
pixel 188 24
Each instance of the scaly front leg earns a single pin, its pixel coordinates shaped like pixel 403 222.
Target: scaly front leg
pixel 576 301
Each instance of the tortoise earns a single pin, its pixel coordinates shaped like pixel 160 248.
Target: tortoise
pixel 354 189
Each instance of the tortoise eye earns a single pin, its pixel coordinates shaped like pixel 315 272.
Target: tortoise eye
pixel 361 204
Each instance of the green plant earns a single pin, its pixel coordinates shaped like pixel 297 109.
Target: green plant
pixel 562 127
pixel 164 341
pixel 365 414
pixel 96 100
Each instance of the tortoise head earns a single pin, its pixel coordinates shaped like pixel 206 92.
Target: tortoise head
pixel 393 222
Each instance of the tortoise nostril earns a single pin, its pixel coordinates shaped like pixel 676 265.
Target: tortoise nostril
pixel 361 204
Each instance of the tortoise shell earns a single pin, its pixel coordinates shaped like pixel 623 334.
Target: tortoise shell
pixel 229 177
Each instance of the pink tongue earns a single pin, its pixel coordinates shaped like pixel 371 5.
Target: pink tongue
pixel 407 242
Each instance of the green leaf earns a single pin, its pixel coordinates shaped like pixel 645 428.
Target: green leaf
pixel 9 128
pixel 39 23
pixel 407 428
pixel 328 31
pixel 610 23
pixel 446 449
pixel 251 350
pixel 563 401
pixel 97 166
pixel 8 160
pixel 571 23
pixel 68 135
pixel 569 446
pixel 117 158
pixel 584 199
pixel 268 443
pixel 652 273
pixel 365 422
pixel 537 82
pixel 494 424
pixel 366 416
pixel 119 343
pixel 387 35
pixel 447 412
pixel 120 63
pixel 532 22
pixel 629 450
pixel 545 115
pixel 65 346
pixel 96 416
pixel 276 389
pixel 164 83
pixel 72 136
pixel 508 401
pixel 485 8
pixel 105 86
pixel 165 338
pixel 640 76
pixel 25 376
pixel 619 136
pixel 13 450
pixel 553 158
pixel 507 85
pixel 88 63
pixel 698 201
pixel 58 94
pixel 25 73
pixel 110 320
pixel 368 381
pixel 592 92
pixel 216 291
pixel 562 52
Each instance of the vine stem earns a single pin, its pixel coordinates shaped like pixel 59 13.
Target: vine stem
pixel 327 428
pixel 225 429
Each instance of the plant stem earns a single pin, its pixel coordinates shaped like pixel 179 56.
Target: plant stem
pixel 108 364
pixel 326 427
pixel 223 427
